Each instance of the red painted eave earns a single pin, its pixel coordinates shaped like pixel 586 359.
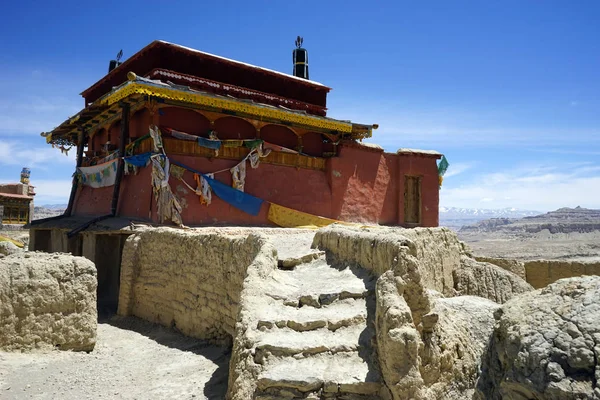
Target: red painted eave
pixel 189 51
pixel 124 65
pixel 16 196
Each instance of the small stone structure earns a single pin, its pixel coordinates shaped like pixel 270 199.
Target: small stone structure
pixel 16 202
pixel 47 301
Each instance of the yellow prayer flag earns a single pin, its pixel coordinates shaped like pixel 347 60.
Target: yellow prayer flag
pixel 289 218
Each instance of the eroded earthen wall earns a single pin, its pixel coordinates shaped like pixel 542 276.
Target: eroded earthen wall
pixel 47 301
pixel 380 249
pixel 515 266
pixel 541 273
pixel 191 281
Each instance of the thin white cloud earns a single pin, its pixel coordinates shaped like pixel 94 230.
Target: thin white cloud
pixel 528 188
pixel 566 151
pixel 457 128
pixel 13 153
pixel 49 191
pixel 33 115
pixel 457 168
pixel 52 191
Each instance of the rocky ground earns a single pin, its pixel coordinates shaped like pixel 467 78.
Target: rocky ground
pixel 133 359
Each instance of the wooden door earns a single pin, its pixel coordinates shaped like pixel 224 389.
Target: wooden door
pixel 412 200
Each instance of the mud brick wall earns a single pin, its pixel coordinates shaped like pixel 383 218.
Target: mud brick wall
pixel 47 301
pixel 187 280
pixel 541 273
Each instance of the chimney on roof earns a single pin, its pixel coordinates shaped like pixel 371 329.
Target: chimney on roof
pixel 112 64
pixel 300 58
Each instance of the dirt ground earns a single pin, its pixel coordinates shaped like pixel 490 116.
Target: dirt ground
pixel 133 359
pixel 541 245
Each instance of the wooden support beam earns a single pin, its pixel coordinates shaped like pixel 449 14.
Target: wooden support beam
pixel 80 144
pixel 125 111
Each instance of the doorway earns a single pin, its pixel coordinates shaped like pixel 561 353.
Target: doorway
pixel 412 200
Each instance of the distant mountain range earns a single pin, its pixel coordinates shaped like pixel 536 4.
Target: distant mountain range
pixel 48 210
pixel 54 206
pixel 456 217
pixel 452 217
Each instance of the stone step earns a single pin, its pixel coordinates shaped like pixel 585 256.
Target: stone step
pixel 288 342
pixel 317 281
pixel 341 313
pixel 341 373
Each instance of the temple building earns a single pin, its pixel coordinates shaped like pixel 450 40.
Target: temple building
pixel 16 201
pixel 177 136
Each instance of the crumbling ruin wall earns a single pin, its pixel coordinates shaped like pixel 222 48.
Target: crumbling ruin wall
pixel 243 369
pixel 428 346
pixel 541 273
pixel 188 280
pixel 488 280
pixel 380 249
pixel 515 266
pixel 47 301
pixel 437 358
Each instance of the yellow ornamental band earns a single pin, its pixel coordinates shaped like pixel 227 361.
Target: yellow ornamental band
pixel 231 105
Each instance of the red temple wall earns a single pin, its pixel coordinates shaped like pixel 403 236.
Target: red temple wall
pixel 362 184
pixel 426 168
pixel 280 135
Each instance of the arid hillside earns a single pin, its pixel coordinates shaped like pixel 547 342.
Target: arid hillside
pixel 567 233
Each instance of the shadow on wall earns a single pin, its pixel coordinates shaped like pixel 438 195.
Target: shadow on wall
pixel 216 387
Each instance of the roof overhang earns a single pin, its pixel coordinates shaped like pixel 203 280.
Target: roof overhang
pixel 136 91
pixel 16 196
pixel 126 65
pixel 418 152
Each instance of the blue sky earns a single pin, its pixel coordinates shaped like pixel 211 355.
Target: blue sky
pixel 509 90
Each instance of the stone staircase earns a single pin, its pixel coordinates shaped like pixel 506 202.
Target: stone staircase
pixel 315 338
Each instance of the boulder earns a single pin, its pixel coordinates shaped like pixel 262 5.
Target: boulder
pixel 487 280
pixel 546 344
pixel 47 301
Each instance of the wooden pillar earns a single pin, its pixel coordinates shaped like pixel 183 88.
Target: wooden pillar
pixel 80 144
pixel 121 168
